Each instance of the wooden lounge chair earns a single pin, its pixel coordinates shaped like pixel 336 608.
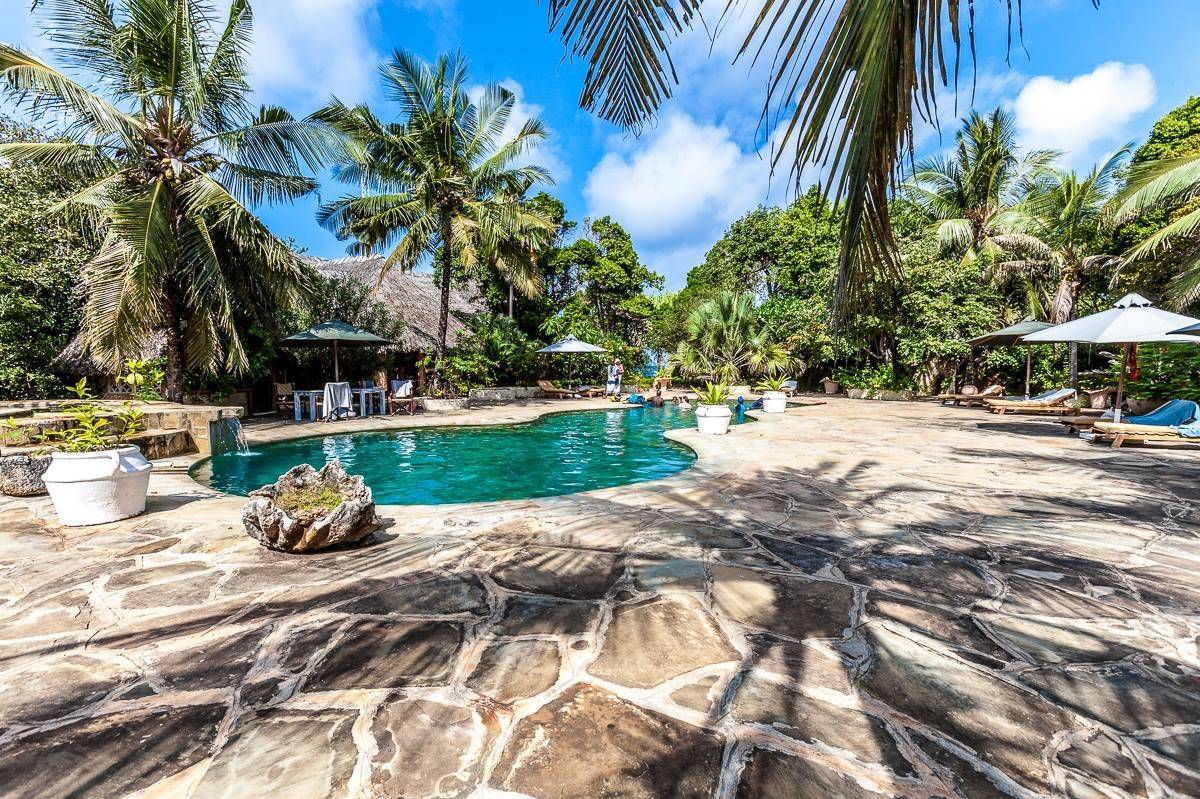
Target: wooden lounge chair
pixel 1062 411
pixel 284 405
pixel 1055 403
pixel 1122 433
pixel 1080 423
pixel 971 397
pixel 588 391
pixel 551 390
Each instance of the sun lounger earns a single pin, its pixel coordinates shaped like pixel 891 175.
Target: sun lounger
pixel 971 398
pixel 589 391
pixel 1123 433
pixel 1048 402
pixel 1172 421
pixel 551 390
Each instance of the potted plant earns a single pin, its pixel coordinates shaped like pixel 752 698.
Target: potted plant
pixel 712 411
pixel 94 477
pixel 774 399
pixel 830 385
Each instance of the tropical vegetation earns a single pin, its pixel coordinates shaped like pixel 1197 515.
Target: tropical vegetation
pixel 443 181
pixel 727 341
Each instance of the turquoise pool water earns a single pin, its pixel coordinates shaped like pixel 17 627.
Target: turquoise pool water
pixel 557 454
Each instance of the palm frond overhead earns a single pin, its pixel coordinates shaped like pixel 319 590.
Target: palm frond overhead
pixel 850 76
pixel 626 45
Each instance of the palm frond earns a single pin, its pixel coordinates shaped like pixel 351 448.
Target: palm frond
pixel 1154 183
pixel 626 47
pixel 44 90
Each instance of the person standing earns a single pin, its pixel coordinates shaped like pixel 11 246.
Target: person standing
pixel 615 371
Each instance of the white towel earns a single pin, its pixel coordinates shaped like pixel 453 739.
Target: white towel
pixel 339 402
pixel 402 388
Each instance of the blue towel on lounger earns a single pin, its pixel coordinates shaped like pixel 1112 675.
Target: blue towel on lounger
pixel 1175 413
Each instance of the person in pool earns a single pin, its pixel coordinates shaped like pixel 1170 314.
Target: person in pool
pixel 657 400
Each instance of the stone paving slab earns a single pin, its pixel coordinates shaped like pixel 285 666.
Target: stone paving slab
pixel 949 606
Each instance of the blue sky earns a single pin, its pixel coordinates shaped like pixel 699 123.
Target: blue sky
pixel 1092 81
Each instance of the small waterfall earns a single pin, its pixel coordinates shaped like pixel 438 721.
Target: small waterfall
pixel 227 437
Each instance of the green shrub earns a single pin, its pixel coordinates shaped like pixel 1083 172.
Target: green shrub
pixel 1165 371
pixel 876 377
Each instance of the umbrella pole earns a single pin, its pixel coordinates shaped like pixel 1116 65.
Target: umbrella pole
pixel 1121 382
pixel 336 376
pixel 1028 364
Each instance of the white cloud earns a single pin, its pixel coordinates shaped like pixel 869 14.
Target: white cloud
pixel 1088 110
pixel 677 188
pixel 548 154
pixel 303 51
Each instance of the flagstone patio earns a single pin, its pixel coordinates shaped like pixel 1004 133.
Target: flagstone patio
pixel 857 599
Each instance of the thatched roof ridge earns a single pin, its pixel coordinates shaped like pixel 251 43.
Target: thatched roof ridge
pixel 413 296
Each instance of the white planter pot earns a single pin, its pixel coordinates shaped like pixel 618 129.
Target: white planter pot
pixel 774 402
pixel 713 420
pixel 98 487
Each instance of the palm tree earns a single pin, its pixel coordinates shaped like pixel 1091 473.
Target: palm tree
pixel 1054 232
pixel 849 77
pixel 968 192
pixel 171 158
pixel 441 182
pixel 1166 183
pixel 726 340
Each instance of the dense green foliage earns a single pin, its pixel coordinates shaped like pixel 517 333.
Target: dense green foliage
pixel 1158 212
pixel 728 342
pixel 40 256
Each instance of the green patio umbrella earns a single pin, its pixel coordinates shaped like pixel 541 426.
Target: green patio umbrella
pixel 334 333
pixel 1013 334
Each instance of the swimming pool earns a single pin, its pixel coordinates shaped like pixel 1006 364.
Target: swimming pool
pixel 560 453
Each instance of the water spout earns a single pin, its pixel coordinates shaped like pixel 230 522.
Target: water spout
pixel 227 437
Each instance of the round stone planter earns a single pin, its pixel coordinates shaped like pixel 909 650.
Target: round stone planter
pixel 98 487
pixel 21 475
pixel 350 522
pixel 774 402
pixel 713 420
pixel 830 386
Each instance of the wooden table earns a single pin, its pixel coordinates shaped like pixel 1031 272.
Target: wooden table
pixel 367 398
pixel 299 396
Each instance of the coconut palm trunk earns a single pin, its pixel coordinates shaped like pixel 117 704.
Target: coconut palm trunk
pixel 444 305
pixel 174 351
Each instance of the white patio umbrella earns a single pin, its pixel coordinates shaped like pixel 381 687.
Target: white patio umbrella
pixel 569 345
pixel 1131 321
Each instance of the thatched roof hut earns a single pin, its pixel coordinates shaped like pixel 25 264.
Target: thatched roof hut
pixel 413 296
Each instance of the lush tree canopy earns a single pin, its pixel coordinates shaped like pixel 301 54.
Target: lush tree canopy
pixel 41 254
